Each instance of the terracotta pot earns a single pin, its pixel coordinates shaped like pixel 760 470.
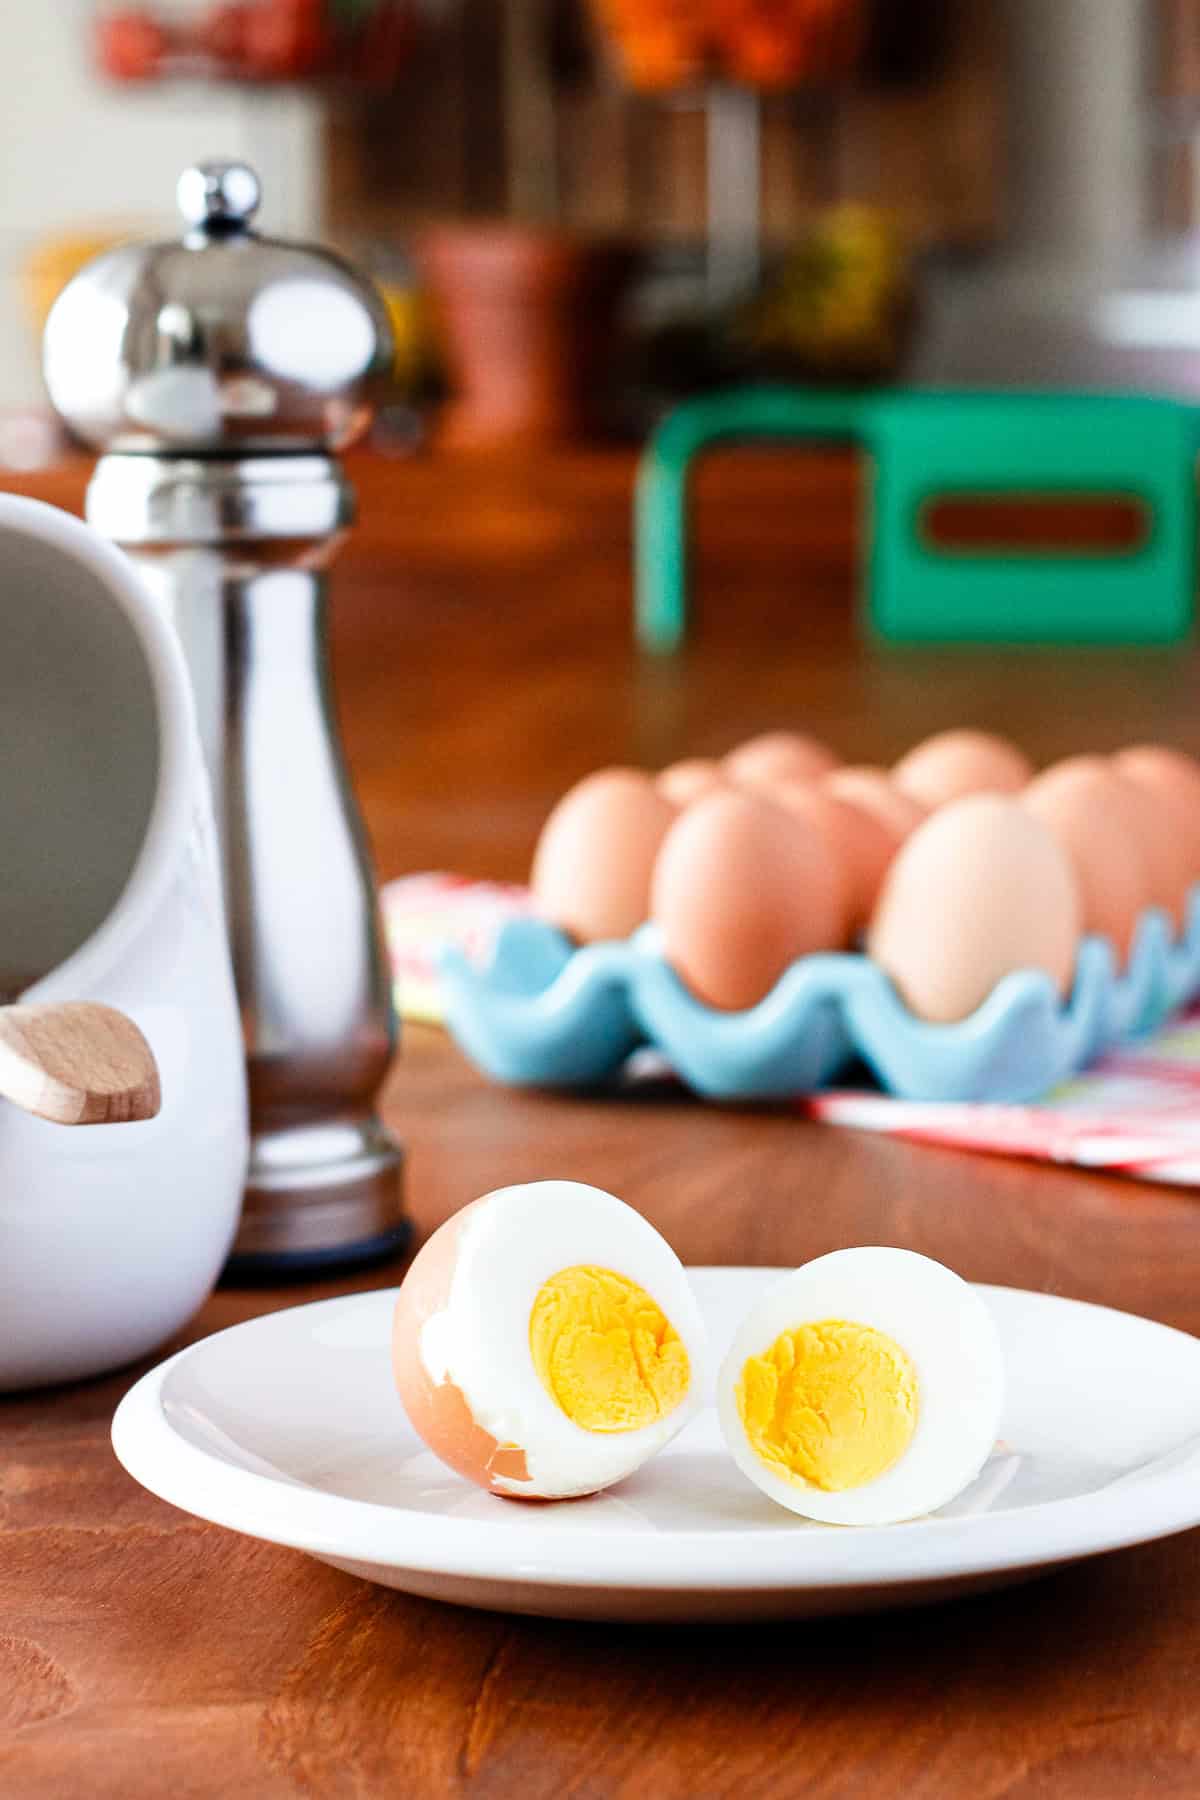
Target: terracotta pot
pixel 528 323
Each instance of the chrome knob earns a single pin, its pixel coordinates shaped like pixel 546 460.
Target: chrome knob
pixel 218 196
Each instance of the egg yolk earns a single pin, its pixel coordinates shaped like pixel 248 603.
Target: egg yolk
pixel 830 1405
pixel 605 1352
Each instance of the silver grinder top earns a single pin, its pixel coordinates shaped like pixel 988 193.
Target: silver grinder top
pixel 219 343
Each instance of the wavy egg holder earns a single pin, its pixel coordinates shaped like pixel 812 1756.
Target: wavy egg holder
pixel 545 1013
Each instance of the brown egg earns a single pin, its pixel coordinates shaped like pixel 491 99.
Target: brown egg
pixel 1146 820
pixel 1085 804
pixel 438 1411
pixel 1171 781
pixel 1160 764
pixel 980 889
pixel 594 859
pixel 954 763
pixel 686 781
pixel 875 792
pixel 741 889
pixel 779 756
pixel 860 845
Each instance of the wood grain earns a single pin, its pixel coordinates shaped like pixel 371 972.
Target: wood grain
pixel 482 646
pixel 77 1063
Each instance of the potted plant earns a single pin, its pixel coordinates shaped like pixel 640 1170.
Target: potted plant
pixel 527 310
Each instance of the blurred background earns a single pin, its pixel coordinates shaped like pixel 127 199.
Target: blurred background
pixel 582 209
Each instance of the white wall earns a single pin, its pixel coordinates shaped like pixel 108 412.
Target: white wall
pixel 1078 87
pixel 77 152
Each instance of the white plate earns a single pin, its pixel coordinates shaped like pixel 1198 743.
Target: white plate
pixel 288 1428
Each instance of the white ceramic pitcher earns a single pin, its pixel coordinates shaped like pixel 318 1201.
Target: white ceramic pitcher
pixel 110 1235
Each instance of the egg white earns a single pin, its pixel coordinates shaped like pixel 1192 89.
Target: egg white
pixel 513 1242
pixel 948 1335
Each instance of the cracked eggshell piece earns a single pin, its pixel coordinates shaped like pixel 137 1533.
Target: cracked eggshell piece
pixel 461 1347
pixel 943 1331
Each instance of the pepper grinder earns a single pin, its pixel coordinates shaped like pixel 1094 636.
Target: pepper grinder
pixel 220 375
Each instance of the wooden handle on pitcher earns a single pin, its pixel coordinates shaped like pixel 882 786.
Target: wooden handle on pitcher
pixel 78 1063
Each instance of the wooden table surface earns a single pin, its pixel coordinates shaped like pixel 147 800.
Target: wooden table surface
pixel 483 655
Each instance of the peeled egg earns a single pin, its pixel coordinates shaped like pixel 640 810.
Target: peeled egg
pixel 859 843
pixel 954 763
pixel 741 889
pixel 1085 804
pixel 1170 781
pixel 779 756
pixel 593 862
pixel 546 1341
pixel 864 1388
pixel 980 889
pixel 686 781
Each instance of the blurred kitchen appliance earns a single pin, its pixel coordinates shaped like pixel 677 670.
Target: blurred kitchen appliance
pixel 993 518
pixel 220 375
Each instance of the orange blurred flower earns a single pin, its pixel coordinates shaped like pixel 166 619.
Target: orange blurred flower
pixel 663 44
pixel 660 44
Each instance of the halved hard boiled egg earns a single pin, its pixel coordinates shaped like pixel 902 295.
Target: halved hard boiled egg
pixel 864 1388
pixel 546 1341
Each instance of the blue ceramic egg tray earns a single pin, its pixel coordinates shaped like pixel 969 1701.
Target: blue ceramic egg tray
pixel 544 1013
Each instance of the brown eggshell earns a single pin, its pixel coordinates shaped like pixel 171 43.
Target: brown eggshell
pixel 954 763
pixel 1170 780
pixel 859 843
pixel 1084 803
pixel 980 889
pixel 1160 764
pixel 875 792
pixel 689 780
pixel 779 756
pixel 741 889
pixel 594 859
pixel 438 1412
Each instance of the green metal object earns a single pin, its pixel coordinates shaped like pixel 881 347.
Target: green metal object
pixel 933 447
